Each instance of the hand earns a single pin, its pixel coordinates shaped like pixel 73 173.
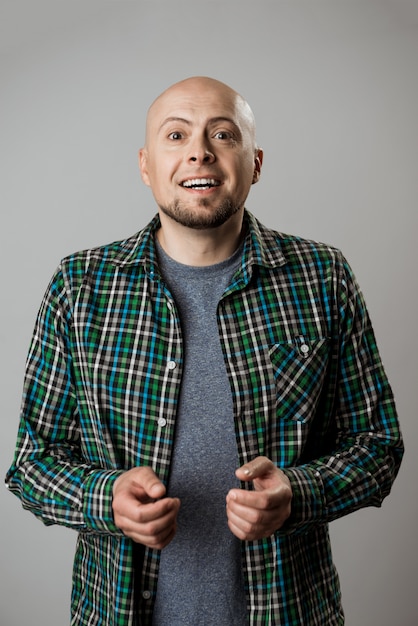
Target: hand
pixel 257 514
pixel 140 509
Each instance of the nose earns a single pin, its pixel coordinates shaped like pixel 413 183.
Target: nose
pixel 208 157
pixel 200 152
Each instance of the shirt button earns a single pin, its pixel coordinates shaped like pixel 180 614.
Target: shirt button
pixel 304 348
pixel 162 421
pixel 146 594
pixel 171 365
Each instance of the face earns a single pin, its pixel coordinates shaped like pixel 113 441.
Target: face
pixel 200 157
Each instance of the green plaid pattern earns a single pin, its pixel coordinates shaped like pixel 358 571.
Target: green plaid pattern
pixel 308 387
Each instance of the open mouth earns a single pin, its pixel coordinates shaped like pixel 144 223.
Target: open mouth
pixel 200 183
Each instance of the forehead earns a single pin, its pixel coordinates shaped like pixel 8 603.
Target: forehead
pixel 197 101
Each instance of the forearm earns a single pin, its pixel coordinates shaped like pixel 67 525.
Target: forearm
pixel 358 475
pixel 60 490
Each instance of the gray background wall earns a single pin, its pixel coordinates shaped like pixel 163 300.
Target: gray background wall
pixel 334 86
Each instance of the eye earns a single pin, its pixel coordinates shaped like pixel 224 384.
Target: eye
pixel 224 135
pixel 175 135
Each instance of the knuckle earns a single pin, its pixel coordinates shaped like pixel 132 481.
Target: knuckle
pixel 265 501
pixel 120 524
pixel 256 517
pixel 152 529
pixel 248 527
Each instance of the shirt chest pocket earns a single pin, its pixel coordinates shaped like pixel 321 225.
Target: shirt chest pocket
pixel 299 369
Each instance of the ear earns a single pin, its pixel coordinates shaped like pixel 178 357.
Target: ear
pixel 143 165
pixel 258 162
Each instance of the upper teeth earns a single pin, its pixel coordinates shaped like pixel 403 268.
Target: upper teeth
pixel 200 182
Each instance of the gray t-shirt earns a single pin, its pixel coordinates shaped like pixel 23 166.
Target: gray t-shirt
pixel 200 581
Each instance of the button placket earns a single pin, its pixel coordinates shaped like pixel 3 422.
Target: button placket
pixel 171 366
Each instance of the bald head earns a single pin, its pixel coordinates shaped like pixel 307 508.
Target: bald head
pixel 200 156
pixel 199 91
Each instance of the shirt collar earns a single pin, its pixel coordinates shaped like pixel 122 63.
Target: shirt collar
pixel 262 247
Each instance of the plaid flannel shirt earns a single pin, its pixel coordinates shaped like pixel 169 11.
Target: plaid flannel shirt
pixel 309 391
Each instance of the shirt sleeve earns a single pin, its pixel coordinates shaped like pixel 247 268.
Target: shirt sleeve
pixel 50 472
pixel 366 446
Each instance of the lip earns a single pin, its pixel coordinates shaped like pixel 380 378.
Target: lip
pixel 216 180
pixel 200 184
pixel 204 191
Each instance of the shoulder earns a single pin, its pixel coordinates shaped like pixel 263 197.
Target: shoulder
pixel 98 265
pixel 278 248
pixel 114 253
pixel 130 251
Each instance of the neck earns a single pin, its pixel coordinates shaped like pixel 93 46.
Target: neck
pixel 200 247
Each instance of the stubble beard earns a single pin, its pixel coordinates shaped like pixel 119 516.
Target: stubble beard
pixel 200 220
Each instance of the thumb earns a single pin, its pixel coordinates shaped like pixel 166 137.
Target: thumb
pixel 260 466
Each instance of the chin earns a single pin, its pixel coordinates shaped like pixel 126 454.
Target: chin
pixel 199 219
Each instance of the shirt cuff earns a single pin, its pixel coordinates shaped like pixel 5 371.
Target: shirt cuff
pixel 97 502
pixel 308 500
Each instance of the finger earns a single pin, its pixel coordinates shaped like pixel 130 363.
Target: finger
pixel 258 512
pixel 149 524
pixel 128 510
pixel 249 523
pixel 237 531
pixel 161 541
pixel 156 539
pixel 247 529
pixel 239 511
pixel 151 493
pixel 145 478
pixel 240 499
pixel 153 524
pixel 155 511
pixel 141 483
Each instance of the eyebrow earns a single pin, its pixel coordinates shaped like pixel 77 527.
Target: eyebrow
pixel 168 120
pixel 213 120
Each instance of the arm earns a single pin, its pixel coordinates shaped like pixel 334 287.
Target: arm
pixel 360 460
pixel 50 473
pixel 366 447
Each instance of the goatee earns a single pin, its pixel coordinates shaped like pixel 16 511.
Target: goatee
pixel 192 218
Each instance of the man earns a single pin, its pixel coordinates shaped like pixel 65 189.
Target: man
pixel 203 398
